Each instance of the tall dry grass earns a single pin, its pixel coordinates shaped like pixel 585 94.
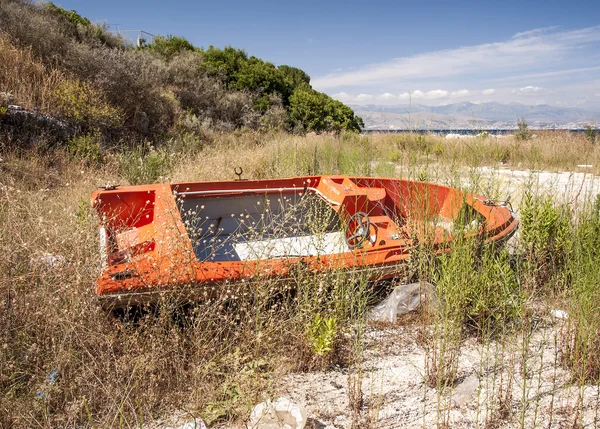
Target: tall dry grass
pixel 217 359
pixel 31 83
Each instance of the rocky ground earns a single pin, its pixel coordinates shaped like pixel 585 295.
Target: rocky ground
pixel 490 389
pixel 519 382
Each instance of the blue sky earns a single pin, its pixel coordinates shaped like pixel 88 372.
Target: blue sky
pixel 395 52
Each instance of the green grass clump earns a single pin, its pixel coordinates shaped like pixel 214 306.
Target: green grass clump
pixel 477 289
pixel 141 165
pixel 582 348
pixel 547 241
pixel 86 147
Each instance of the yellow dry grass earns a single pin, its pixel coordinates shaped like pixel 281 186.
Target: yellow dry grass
pixel 31 83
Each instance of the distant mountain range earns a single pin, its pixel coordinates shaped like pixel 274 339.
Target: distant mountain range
pixel 467 115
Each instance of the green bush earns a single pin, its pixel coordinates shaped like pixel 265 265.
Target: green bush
pixel 85 105
pixel 318 112
pixel 477 288
pixel 546 237
pixel 591 133
pixel 86 147
pixel 523 131
pixel 170 46
pixel 582 346
pixel 142 165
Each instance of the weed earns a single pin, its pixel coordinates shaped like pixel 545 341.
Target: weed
pixel 523 131
pixel 86 148
pixel 84 104
pixel 145 165
pixel 591 133
pixel 321 334
pixel 582 345
pixel 546 239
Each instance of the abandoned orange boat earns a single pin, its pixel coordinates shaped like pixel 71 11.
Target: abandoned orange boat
pixel 190 239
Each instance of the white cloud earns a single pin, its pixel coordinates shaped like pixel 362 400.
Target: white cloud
pixel 364 97
pixel 534 32
pixel 341 96
pixel 386 96
pixel 438 93
pixel 460 93
pixel 404 96
pixel 527 51
pixel 488 91
pixel 554 73
pixel 431 95
pixel 528 90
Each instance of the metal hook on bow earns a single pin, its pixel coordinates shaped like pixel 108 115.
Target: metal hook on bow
pixel 238 174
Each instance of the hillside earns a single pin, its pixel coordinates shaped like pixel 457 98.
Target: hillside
pixel 468 115
pixel 58 64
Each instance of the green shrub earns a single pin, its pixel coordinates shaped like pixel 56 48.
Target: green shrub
pixel 523 131
pixel 144 165
pixel 591 133
pixel 582 346
pixel 546 238
pixel 72 16
pixel 170 46
pixel 477 288
pixel 85 105
pixel 86 147
pixel 318 112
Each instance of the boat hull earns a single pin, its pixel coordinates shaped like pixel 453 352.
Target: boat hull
pixel 190 240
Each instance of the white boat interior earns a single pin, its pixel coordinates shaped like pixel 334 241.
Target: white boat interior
pixel 261 226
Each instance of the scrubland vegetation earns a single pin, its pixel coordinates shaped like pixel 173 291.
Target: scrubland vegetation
pixel 172 112
pixel 217 359
pixel 59 63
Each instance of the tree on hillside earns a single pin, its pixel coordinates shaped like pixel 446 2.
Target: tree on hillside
pixel 170 46
pixel 224 63
pixel 294 75
pixel 71 15
pixel 318 112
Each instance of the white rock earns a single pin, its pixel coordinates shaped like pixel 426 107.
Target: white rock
pixel 281 414
pixel 194 424
pixel 559 314
pixel 466 392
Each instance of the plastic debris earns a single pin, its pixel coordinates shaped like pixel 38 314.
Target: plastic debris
pixel 281 414
pixel 466 392
pixel 559 314
pixel 51 379
pixel 53 376
pixel 197 423
pixel 50 260
pixel 403 299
